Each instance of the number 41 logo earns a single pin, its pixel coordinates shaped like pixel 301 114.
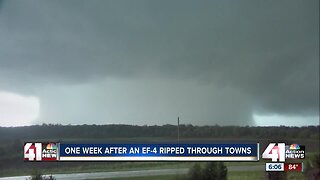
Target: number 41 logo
pixel 274 152
pixel 32 151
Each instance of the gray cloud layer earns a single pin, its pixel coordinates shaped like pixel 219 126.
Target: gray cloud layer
pixel 229 58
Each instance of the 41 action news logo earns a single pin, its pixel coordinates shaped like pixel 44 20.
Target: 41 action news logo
pixel 40 151
pixel 280 151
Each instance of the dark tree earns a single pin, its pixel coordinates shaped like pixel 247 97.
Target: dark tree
pixel 195 172
pixel 210 171
pixel 215 171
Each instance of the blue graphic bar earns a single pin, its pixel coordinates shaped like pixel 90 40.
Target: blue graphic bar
pixel 158 152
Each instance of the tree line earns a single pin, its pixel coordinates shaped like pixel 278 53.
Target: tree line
pixel 57 131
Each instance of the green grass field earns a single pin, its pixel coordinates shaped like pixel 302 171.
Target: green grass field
pixel 60 168
pixel 237 175
pixel 231 176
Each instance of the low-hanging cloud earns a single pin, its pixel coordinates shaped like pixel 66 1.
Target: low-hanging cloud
pixel 213 62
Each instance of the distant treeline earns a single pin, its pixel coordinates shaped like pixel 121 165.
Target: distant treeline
pixel 56 131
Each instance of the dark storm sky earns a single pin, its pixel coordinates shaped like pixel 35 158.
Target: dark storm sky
pixel 147 62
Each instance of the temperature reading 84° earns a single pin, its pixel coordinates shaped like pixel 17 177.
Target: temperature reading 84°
pixel 292 166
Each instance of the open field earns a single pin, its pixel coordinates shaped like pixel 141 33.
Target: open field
pixel 259 175
pixel 234 172
pixel 126 166
pixel 11 140
pixel 76 167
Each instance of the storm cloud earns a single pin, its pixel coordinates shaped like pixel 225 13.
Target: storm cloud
pixel 147 62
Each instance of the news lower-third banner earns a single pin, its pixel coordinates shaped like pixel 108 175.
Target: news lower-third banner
pixel 140 152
